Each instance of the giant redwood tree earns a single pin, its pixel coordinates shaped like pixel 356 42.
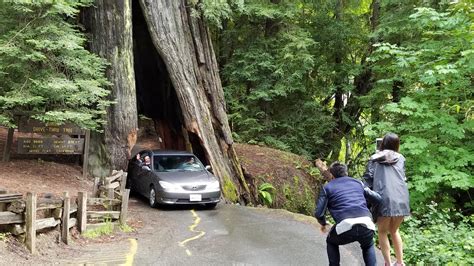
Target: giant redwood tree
pixel 109 25
pixel 162 65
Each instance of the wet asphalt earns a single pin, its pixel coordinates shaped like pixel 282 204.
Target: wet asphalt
pixel 229 235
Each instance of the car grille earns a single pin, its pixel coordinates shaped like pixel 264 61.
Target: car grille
pixel 204 200
pixel 194 187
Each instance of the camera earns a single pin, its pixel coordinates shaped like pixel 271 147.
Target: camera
pixel 378 144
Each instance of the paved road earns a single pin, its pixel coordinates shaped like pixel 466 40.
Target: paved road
pixel 231 235
pixel 227 235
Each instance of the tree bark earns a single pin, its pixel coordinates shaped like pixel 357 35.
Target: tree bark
pixel 110 26
pixel 184 44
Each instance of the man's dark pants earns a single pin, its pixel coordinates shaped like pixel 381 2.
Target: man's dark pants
pixel 358 233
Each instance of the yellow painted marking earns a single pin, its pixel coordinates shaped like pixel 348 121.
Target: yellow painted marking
pixel 132 252
pixel 192 229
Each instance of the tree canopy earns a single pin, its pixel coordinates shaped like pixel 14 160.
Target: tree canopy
pixel 325 78
pixel 45 70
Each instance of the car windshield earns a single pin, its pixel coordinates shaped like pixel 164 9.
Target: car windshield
pixel 177 163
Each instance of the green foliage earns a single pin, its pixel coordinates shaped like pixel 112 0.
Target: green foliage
pixel 45 72
pixel 266 192
pixel 126 228
pixel 436 236
pixel 269 77
pixel 4 236
pixel 106 229
pixel 283 65
pixel 434 117
pixel 216 11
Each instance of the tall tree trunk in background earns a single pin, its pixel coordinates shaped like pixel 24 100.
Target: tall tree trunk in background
pixel 340 77
pixel 363 84
pixel 184 44
pixel 397 87
pixel 109 24
pixel 271 24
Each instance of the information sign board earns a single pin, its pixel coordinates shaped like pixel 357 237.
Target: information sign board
pixel 35 126
pixel 50 145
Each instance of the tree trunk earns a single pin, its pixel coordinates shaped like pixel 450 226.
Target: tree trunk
pixel 363 84
pixel 184 44
pixel 109 24
pixel 340 75
pixel 364 81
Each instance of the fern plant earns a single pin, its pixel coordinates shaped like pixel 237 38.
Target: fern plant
pixel 266 192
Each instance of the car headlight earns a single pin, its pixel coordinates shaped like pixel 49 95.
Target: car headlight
pixel 168 186
pixel 214 185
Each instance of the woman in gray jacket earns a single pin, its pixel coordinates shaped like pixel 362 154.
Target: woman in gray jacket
pixel 386 175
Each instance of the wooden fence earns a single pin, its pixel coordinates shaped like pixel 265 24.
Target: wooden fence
pixel 24 218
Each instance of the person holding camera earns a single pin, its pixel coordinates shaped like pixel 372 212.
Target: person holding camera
pixel 346 198
pixel 385 174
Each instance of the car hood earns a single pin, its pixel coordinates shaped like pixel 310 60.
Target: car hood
pixel 186 177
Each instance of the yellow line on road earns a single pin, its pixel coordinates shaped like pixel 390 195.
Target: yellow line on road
pixel 192 229
pixel 132 252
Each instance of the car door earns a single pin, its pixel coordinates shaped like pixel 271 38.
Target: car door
pixel 132 175
pixel 147 178
pixel 144 181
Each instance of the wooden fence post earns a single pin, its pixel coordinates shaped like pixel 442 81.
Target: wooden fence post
pixel 95 190
pixel 124 206
pixel 82 211
pixel 8 145
pixel 65 218
pixel 123 182
pixel 110 190
pixel 31 221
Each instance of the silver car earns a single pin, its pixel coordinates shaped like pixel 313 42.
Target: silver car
pixel 172 177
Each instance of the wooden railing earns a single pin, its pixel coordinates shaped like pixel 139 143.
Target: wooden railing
pixel 108 204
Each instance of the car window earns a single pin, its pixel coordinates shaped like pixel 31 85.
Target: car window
pixel 177 163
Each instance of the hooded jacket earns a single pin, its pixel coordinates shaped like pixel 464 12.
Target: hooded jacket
pixel 385 174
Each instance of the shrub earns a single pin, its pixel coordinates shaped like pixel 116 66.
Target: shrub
pixel 435 236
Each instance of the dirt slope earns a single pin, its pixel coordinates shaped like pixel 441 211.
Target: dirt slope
pixel 295 180
pixel 42 177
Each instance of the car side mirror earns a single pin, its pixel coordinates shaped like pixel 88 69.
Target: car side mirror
pixel 208 168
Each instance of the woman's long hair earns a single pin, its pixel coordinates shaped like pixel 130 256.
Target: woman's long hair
pixel 391 141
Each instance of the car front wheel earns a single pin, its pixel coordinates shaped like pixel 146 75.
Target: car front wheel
pixel 152 197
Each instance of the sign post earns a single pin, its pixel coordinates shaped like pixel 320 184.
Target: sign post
pixel 8 146
pixel 85 157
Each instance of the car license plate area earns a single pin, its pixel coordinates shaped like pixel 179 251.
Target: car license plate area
pixel 195 197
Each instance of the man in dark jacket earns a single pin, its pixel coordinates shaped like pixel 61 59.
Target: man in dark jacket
pixel 345 197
